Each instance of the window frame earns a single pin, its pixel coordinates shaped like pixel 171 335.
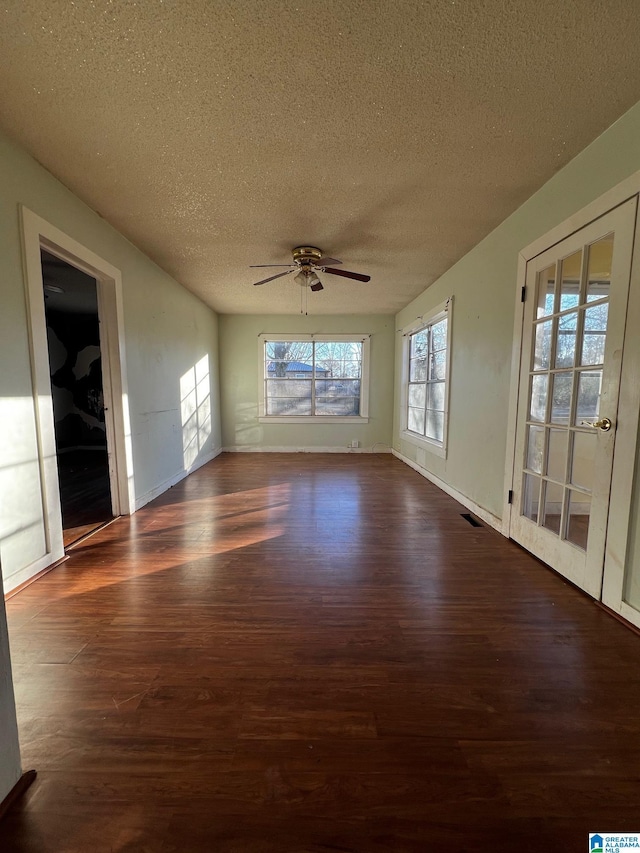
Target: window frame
pixel 363 417
pixel 440 312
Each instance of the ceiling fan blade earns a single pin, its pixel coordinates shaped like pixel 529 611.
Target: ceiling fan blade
pixel 261 266
pixel 324 261
pixel 316 287
pixel 271 278
pixel 358 276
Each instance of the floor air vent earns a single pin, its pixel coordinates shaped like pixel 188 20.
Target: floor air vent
pixel 472 521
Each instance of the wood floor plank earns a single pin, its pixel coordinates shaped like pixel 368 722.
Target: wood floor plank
pixel 306 652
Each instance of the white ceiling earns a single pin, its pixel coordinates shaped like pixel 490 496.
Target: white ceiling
pixel 216 134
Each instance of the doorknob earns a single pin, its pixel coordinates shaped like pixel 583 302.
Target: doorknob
pixel 604 424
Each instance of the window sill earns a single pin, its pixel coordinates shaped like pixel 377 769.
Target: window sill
pixel 426 443
pixel 313 419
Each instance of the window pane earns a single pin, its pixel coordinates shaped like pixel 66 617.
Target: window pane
pixel 553 494
pixel 284 352
pixel 435 425
pixel 288 388
pixel 570 281
pixel 588 396
pixel 419 343
pixel 337 387
pixel 595 334
pixel 418 370
pixel 599 275
pixel 417 396
pixel 579 514
pixel 546 289
pixel 337 405
pixel 438 365
pixel 539 389
pixel 535 446
pixel 566 340
pixel 435 396
pixel 584 453
pixel 561 399
pixel 416 420
pixel 542 352
pixel 439 335
pixel 557 454
pixel 339 359
pixel 530 496
pixel 288 406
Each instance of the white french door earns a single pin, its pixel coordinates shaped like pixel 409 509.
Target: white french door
pixel 573 336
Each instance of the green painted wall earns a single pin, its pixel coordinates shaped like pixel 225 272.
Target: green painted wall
pixel 239 376
pixel 167 331
pixel 483 284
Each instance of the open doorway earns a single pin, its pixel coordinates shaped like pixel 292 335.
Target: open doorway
pixel 75 361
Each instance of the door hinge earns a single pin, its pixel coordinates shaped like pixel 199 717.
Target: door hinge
pixel 510 496
pixel 523 294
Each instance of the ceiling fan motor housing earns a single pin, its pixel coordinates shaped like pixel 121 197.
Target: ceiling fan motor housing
pixel 306 255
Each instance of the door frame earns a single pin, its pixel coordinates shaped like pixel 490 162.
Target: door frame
pixel 622 479
pixel 39 234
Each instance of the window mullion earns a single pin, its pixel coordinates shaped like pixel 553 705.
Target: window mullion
pixel 313 378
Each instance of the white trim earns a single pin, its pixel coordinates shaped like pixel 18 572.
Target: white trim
pixel 491 519
pixel 312 419
pixel 363 417
pixel 439 312
pixel 156 491
pixel 257 448
pixel 614 197
pixel 37 233
pixel 609 586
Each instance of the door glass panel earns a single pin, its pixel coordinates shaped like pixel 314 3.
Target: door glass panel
pixel 553 507
pixel 538 407
pixel 531 496
pixel 595 334
pixel 546 291
pixel 599 274
pixel 557 454
pixel 566 340
pixel 535 448
pixel 578 523
pixel 584 451
pixel 542 352
pixel 589 383
pixel 561 399
pixel 570 281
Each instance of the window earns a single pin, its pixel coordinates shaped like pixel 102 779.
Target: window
pixel 426 391
pixel 313 377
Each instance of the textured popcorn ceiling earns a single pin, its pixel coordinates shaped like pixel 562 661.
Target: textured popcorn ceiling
pixel 393 135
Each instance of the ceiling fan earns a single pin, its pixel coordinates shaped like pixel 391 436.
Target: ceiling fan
pixel 307 262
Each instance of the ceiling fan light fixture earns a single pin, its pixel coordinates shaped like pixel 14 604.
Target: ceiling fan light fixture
pixel 306 278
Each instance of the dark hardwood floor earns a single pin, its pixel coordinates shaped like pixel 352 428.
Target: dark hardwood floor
pixel 317 653
pixel 84 492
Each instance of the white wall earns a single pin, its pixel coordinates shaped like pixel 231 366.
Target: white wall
pixel 239 368
pixel 167 332
pixel 10 769
pixel 483 284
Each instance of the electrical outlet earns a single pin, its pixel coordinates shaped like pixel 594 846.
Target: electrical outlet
pixel 355 443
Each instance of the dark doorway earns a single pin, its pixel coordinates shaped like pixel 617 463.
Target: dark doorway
pixel 73 335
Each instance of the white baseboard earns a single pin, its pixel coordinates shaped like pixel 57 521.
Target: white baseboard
pixel 263 449
pixel 491 519
pixel 152 494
